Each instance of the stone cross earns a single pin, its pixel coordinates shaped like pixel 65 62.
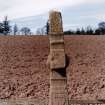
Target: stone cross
pixel 57 61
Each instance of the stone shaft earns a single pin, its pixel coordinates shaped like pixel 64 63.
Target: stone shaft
pixel 58 80
pixel 57 52
pixel 58 88
pixel 55 22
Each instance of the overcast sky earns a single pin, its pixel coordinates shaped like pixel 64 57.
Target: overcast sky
pixel 23 8
pixel 81 10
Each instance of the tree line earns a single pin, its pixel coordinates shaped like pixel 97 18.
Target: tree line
pixel 6 29
pixel 88 31
pixel 84 31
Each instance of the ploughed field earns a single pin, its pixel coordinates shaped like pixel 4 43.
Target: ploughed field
pixel 25 75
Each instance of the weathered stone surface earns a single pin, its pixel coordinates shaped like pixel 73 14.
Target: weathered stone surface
pixel 55 20
pixel 58 87
pixel 58 98
pixel 58 75
pixel 57 59
pixel 58 80
pixel 56 37
pixel 58 45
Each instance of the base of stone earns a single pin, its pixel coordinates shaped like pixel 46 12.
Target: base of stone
pixel 23 102
pixel 40 102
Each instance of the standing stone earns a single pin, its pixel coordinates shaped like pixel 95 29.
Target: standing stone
pixel 58 80
pixel 56 37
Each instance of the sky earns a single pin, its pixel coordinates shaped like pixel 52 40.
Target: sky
pixel 76 13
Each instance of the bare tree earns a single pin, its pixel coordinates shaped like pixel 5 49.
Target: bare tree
pixel 15 29
pixel 25 31
pixel 101 26
pixel 89 30
pixel 6 26
pixel 41 31
pixel 47 27
pixel 1 28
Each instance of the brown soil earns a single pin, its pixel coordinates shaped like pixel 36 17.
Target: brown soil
pixel 24 74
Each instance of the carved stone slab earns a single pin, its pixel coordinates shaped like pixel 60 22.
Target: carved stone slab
pixel 57 52
pixel 58 80
pixel 57 59
pixel 55 23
